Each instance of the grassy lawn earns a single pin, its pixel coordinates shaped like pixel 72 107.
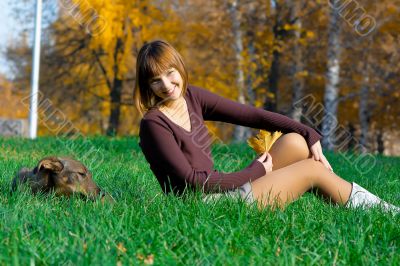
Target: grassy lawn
pixel 146 227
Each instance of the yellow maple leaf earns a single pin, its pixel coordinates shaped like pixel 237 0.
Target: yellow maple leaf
pixel 263 141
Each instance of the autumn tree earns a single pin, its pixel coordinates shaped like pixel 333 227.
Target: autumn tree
pixel 269 54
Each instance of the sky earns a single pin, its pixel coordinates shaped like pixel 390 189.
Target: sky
pixel 8 29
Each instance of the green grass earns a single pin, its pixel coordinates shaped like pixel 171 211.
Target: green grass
pixel 145 224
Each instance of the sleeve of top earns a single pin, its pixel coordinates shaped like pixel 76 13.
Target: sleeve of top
pixel 217 108
pixel 166 158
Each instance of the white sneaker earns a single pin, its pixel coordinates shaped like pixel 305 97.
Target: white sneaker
pixel 360 197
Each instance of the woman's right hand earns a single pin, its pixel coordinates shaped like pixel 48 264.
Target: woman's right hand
pixel 266 160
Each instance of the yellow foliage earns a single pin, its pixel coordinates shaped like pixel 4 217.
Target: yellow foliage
pixel 289 27
pixel 270 95
pixel 259 103
pixel 263 141
pixel 11 105
pixel 302 74
pixel 310 34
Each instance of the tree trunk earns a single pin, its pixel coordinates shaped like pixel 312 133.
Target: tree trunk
pixel 364 111
pixel 115 94
pixel 115 108
pixel 329 122
pixel 249 81
pixel 239 132
pixel 380 143
pixel 252 55
pixel 298 64
pixel 273 77
pixel 352 131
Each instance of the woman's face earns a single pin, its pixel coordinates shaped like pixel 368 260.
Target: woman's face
pixel 167 86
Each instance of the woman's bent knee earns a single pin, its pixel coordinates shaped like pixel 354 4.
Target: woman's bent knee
pixel 295 144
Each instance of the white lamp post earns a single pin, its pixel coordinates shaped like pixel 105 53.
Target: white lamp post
pixel 33 117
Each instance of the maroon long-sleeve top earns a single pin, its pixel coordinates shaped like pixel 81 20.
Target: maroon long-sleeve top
pixel 181 159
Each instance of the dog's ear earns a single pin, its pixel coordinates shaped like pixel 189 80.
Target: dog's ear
pixel 50 164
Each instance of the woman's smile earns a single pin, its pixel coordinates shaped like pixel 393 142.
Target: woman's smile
pixel 169 92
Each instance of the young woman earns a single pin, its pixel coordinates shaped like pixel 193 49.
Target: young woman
pixel 176 142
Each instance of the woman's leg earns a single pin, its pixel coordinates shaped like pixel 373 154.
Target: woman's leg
pixel 288 149
pixel 285 185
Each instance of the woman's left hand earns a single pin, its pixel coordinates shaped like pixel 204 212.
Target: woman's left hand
pixel 316 151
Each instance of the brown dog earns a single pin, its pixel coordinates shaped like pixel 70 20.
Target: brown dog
pixel 64 176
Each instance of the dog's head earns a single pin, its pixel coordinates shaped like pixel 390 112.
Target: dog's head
pixel 66 176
